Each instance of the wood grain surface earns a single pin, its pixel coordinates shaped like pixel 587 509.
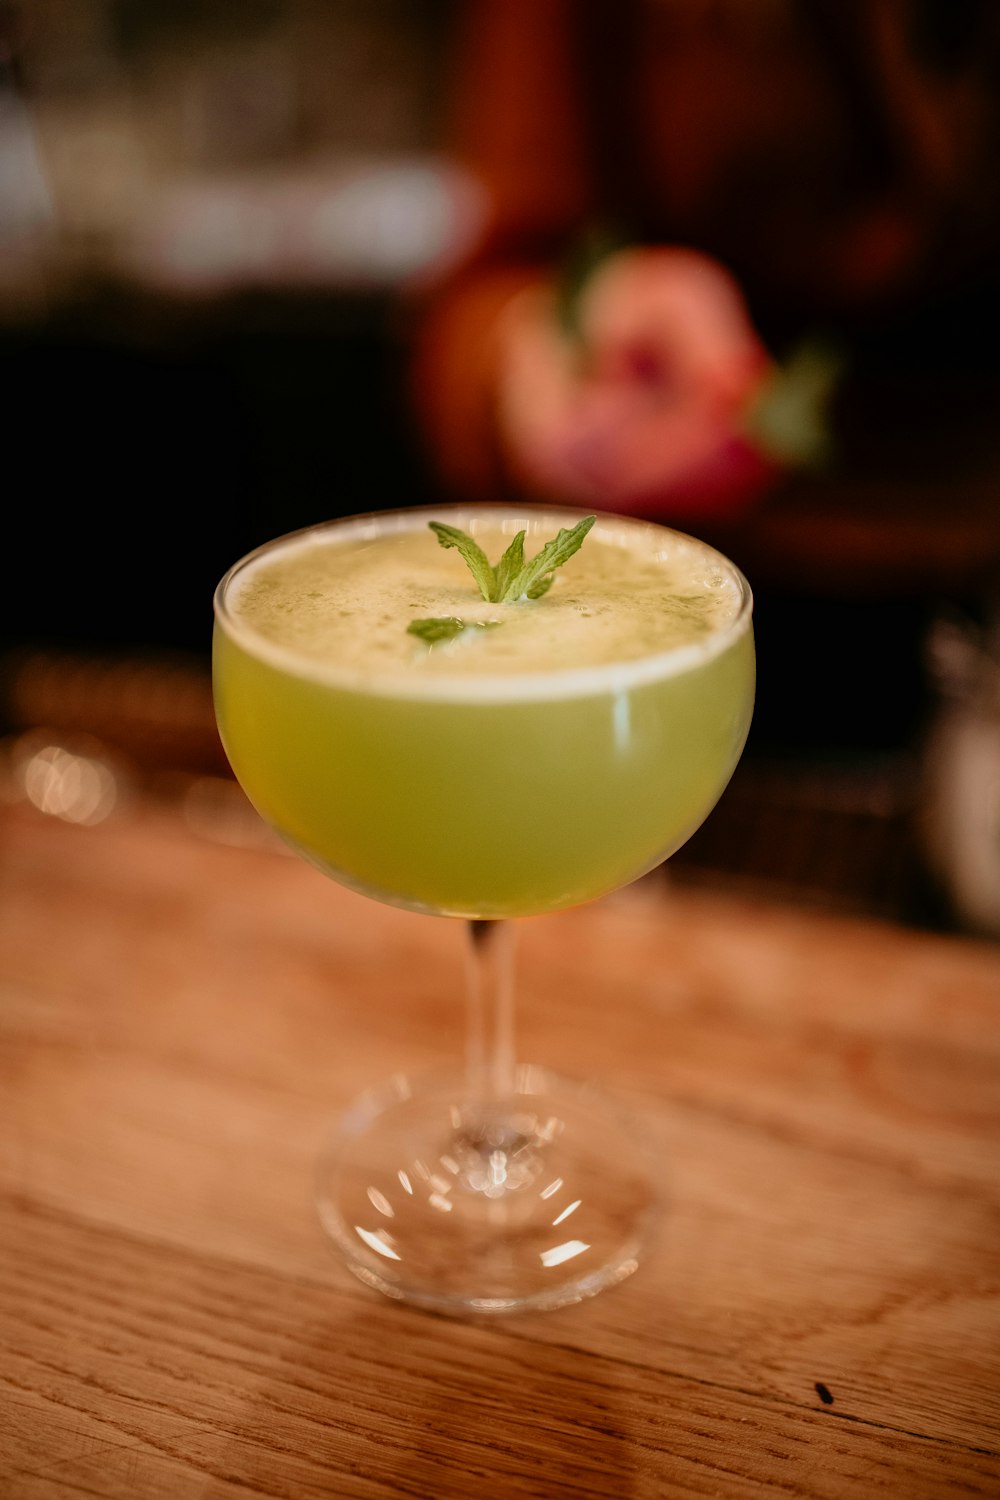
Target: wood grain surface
pixel 182 1016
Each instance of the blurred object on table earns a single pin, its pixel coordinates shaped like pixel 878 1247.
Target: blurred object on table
pixel 960 808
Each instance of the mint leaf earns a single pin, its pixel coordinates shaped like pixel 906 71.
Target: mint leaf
pixel 445 627
pixel 509 566
pixel 511 579
pixel 541 587
pixel 534 578
pixel 450 536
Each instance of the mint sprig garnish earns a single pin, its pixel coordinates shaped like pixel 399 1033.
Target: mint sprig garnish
pixel 513 578
pixel 510 580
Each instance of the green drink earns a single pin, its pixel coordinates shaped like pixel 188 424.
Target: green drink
pixel 516 755
pixel 516 769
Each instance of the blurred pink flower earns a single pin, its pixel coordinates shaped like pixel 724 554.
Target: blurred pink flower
pixel 644 407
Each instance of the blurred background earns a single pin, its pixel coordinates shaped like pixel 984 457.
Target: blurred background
pixel 265 262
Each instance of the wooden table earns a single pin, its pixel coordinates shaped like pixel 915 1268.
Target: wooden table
pixel 180 1019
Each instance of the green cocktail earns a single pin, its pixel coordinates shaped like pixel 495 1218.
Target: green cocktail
pixel 515 770
pixel 554 749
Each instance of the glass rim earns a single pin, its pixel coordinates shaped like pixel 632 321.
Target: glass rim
pixel 557 682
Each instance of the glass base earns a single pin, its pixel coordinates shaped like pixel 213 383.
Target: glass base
pixel 533 1201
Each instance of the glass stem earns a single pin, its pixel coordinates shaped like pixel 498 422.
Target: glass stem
pixel 490 1031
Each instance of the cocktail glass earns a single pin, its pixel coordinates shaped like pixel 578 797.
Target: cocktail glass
pixel 486 796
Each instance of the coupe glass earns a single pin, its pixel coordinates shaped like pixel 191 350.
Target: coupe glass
pixel 485 796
